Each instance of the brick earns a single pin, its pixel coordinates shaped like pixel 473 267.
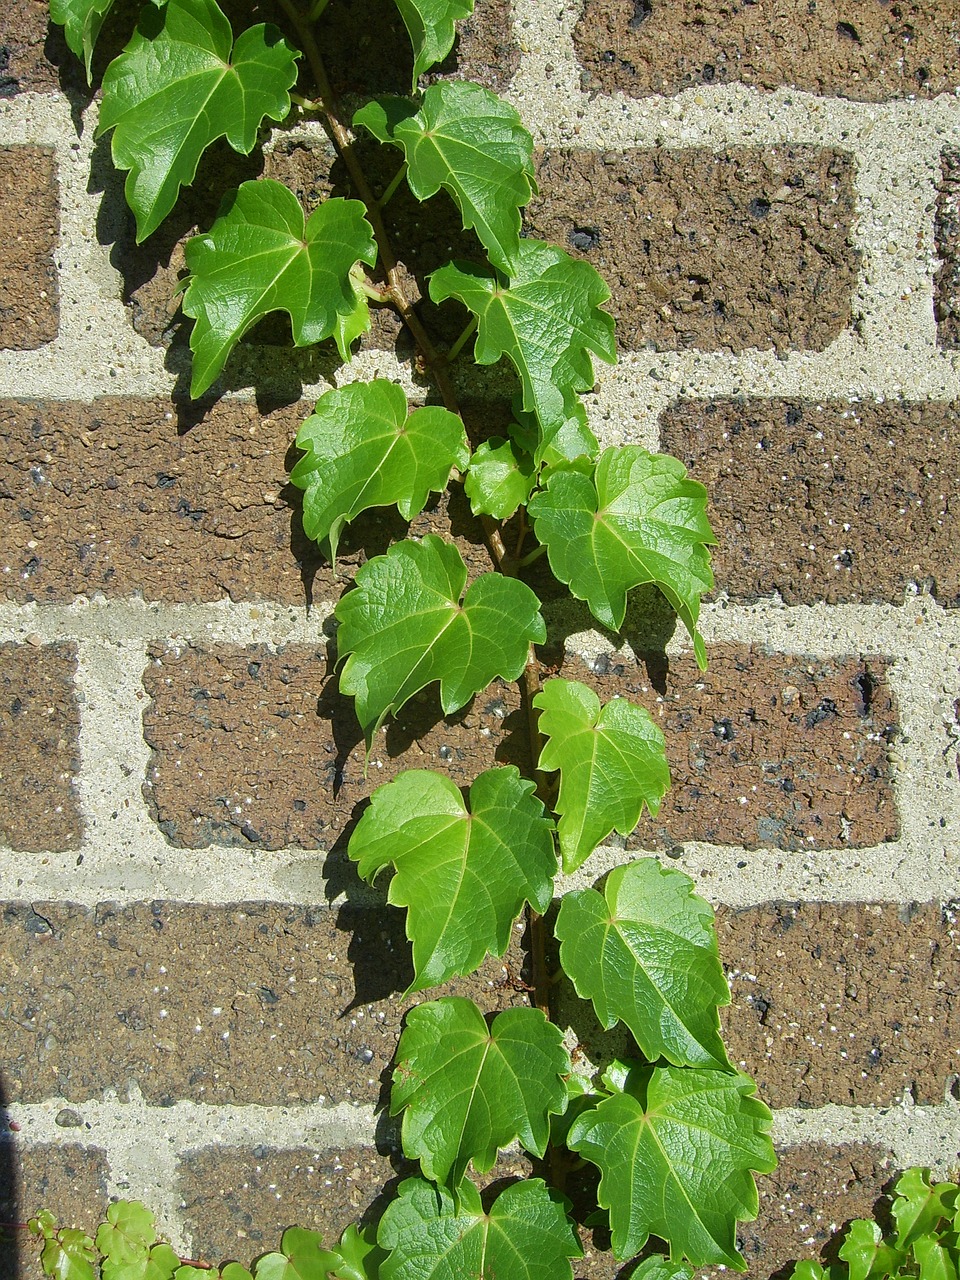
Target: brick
pixel 946 282
pixel 852 1003
pixel 69 1179
pixel 29 228
pixel 723 251
pixel 39 748
pixel 24 67
pixel 868 52
pixel 765 750
pixel 247 1003
pixel 833 500
pixel 258 748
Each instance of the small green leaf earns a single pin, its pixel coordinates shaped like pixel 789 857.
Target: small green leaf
pixel 434 1235
pixel 808 1269
pixel 189 1272
pixel 261 256
pixel 675 1159
pixel 500 478
pixel 43 1225
pixel 546 319
pixel 182 83
pixel 563 442
pixel 68 1255
pixel 867 1254
pixel 428 633
pixel 362 450
pixel 919 1207
pixel 471 144
pixel 430 24
pixel 612 762
pixel 467 1090
pixel 158 1263
pixel 301 1257
pixel 657 1267
pixel 645 952
pixel 464 875
pixel 636 518
pixel 81 21
pixel 128 1232
pixel 360 1255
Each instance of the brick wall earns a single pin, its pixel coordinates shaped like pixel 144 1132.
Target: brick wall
pixel 199 1000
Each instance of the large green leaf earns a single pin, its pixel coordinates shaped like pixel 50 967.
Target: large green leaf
pixel 612 762
pixel 81 21
pixel 362 450
pixel 301 1257
pixel 427 633
pixel 657 1267
pixel 867 1255
pixel 472 144
pixel 68 1255
pixel 919 1207
pixel 645 952
pixel 676 1157
pixel 635 518
pixel 463 874
pixel 499 479
pixel 261 256
pixel 546 319
pixel 430 24
pixel 467 1089
pixel 434 1235
pixel 182 83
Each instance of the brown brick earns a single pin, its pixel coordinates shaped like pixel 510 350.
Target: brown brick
pixel 854 1004
pixel 765 750
pixel 946 284
pixel 29 227
pixel 39 749
pixel 68 1179
pixel 250 1003
pixel 726 250
pixel 832 501
pixel 254 747
pixel 24 67
pixel 869 52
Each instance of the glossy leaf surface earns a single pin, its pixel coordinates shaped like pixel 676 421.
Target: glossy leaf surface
pixel 68 1255
pixel 499 479
pixel 81 21
pixel 158 1263
pixel 128 1231
pixel 430 25
pixel 301 1256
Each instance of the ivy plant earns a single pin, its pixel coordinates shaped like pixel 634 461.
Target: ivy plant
pixel 676 1134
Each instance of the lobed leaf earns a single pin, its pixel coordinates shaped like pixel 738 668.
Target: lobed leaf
pixel 128 1232
pixel 68 1255
pixel 81 21
pixel 645 952
pixel 470 143
pixel 430 25
pixel 499 479
pixel 301 1257
pixel 182 83
pixel 634 518
pixel 360 1255
pixel 546 319
pixel 404 626
pixel 463 874
pixel 362 450
pixel 434 1235
pixel 919 1207
pixel 867 1255
pixel 158 1263
pixel 676 1157
pixel 261 256
pixel 612 762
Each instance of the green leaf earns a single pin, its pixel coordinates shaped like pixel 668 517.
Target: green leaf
pixel 470 143
pixel 937 1262
pixel 127 1233
pixel 657 1267
pixel 301 1257
pixel 500 478
pixel 430 24
pixel 182 83
pixel 428 634
pixel 360 1255
pixel 434 1235
pixel 562 442
pixel 464 874
pixel 547 320
pixel 612 762
pixel 867 1254
pixel 69 1255
pixel 261 256
pixel 635 519
pixel 467 1090
pixel 158 1263
pixel 81 21
pixel 362 450
pixel 919 1207
pixel 808 1269
pixel 645 952
pixel 676 1158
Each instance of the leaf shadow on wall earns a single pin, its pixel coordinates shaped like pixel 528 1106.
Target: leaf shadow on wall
pixel 9 1196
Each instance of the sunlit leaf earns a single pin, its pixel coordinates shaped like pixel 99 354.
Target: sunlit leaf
pixel 430 24
pixel 499 478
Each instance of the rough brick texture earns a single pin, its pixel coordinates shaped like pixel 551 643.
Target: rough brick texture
pixel 831 501
pixel 853 1004
pixel 946 284
pixel 39 749
pixel 24 67
pixel 747 247
pixel 764 750
pixel 246 1003
pixel 866 51
pixel 254 747
pixel 29 227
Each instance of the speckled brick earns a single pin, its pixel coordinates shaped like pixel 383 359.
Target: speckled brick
pixel 39 747
pixel 853 1003
pixel 258 1002
pixel 24 67
pixel 827 500
pixel 29 229
pixel 258 748
pixel 765 750
pixel 946 283
pixel 866 51
pixel 720 250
